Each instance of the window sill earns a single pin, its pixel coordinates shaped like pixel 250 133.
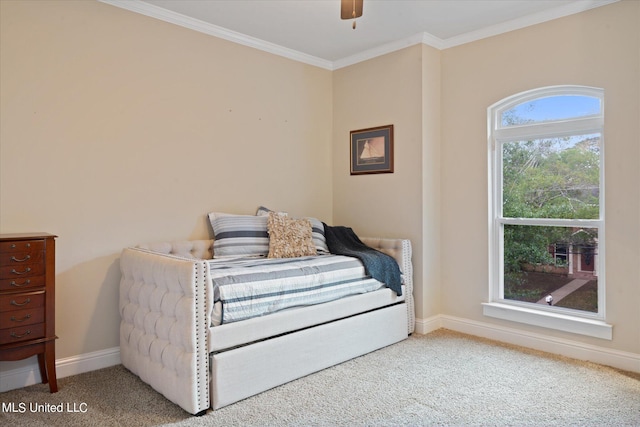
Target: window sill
pixel 561 322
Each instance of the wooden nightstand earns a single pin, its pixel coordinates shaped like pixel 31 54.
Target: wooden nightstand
pixel 27 301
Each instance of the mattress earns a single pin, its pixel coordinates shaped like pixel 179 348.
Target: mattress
pixel 245 288
pixel 237 334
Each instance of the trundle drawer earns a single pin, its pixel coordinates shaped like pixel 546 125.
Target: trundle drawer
pixel 273 362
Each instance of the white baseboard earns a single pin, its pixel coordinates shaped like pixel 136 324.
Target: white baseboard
pixel 29 375
pixel 577 350
pixel 424 326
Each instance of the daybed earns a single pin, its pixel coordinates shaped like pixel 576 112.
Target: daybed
pixel 171 339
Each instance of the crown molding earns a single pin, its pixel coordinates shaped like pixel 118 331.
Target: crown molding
pixel 156 12
pixel 527 21
pixel 216 31
pixel 384 49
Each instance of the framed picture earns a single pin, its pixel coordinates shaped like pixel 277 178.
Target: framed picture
pixel 372 150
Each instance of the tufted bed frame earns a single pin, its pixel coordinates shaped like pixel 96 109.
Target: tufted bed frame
pixel 166 339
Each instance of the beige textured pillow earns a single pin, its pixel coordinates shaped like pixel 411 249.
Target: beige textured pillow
pixel 288 237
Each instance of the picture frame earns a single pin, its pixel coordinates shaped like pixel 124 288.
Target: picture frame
pixel 372 150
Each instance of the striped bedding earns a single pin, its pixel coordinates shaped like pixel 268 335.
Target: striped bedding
pixel 251 287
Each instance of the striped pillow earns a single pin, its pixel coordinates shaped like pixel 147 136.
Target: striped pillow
pixel 239 235
pixel 317 232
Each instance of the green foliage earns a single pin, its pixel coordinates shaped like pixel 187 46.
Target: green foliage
pixel 547 178
pixel 551 178
pixel 525 244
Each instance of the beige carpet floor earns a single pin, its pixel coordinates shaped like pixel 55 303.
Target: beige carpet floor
pixel 440 379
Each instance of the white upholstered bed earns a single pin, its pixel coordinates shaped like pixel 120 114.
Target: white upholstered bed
pixel 167 337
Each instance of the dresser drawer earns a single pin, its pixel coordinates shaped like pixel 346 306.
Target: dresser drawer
pixel 21 301
pixel 21 258
pixel 20 318
pixel 21 333
pixel 18 271
pixel 20 283
pixel 18 246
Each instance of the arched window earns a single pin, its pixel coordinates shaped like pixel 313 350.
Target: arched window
pixel 546 202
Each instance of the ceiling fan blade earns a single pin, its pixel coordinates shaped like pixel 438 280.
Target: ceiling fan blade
pixel 348 8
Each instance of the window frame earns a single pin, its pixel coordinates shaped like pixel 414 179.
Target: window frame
pixel 569 320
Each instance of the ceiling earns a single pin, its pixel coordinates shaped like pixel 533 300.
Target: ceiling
pixel 312 31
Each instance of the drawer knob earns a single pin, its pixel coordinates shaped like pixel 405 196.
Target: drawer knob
pixel 20 304
pixel 14 319
pixel 14 335
pixel 21 272
pixel 17 285
pixel 26 258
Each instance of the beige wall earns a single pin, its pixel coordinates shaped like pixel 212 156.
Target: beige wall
pixel 118 129
pixel 403 89
pixel 598 48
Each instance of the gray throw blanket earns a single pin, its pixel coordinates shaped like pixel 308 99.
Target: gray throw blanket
pixel 382 267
